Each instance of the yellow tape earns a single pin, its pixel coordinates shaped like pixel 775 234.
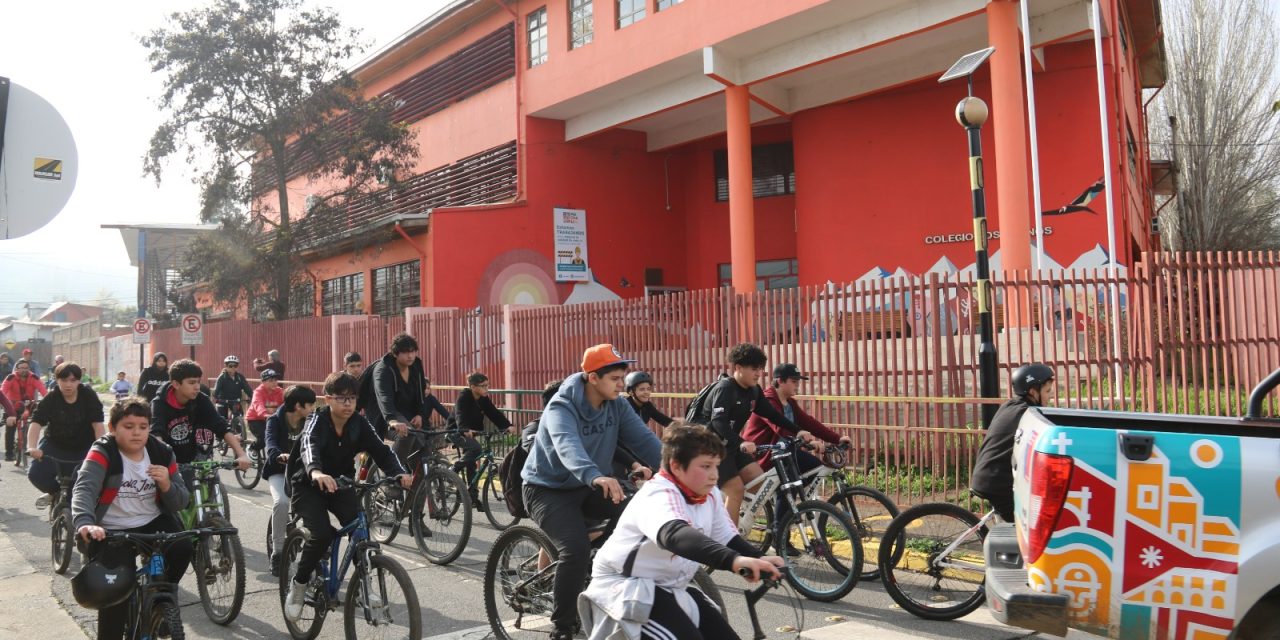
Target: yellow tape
pixel 975 172
pixel 980 234
pixel 984 295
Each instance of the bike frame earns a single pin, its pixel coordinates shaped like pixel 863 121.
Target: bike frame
pixel 357 534
pixel 200 501
pixel 152 588
pixel 943 557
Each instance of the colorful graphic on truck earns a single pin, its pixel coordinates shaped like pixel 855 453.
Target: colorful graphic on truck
pixel 1174 556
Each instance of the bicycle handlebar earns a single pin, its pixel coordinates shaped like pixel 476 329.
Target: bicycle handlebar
pixel 210 465
pixel 755 595
pixel 345 482
pixel 164 539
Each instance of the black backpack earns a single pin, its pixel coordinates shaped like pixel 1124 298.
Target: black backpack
pixel 694 410
pixel 511 467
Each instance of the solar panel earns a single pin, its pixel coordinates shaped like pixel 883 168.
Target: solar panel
pixel 967 65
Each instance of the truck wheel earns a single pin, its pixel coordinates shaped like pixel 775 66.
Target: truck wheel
pixel 1262 621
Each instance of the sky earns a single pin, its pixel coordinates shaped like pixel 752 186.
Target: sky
pixel 84 57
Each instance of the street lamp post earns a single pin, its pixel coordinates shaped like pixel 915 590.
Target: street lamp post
pixel 972 113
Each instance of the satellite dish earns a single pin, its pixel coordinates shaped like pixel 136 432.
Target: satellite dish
pixel 38 161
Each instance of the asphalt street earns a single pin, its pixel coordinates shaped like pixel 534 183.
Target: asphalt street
pixel 451 596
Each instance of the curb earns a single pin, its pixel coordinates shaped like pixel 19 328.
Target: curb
pixel 30 609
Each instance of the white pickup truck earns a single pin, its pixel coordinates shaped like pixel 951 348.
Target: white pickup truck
pixel 1142 525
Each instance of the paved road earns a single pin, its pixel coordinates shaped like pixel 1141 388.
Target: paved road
pixel 451 596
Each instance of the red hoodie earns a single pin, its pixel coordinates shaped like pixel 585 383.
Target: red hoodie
pixel 19 389
pixel 761 431
pixel 265 402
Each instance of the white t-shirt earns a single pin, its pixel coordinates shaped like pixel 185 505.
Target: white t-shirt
pixel 135 503
pixel 658 502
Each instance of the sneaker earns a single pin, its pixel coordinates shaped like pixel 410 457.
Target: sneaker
pixel 45 500
pixel 276 561
pixel 293 602
pixel 562 634
pixel 477 503
pixel 793 552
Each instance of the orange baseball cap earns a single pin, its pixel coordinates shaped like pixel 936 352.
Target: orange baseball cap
pixel 601 356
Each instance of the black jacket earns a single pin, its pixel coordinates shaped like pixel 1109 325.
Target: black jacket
pixel 151 380
pixel 320 448
pixel 386 396
pixel 228 388
pixel 649 412
pixel 190 429
pixel 470 412
pixel 279 440
pixel 728 406
pixel 993 470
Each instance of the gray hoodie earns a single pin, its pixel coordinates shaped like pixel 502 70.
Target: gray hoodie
pixel 576 442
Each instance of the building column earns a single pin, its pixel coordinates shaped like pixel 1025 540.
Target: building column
pixel 1013 208
pixel 742 221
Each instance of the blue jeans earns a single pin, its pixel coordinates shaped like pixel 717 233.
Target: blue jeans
pixel 43 474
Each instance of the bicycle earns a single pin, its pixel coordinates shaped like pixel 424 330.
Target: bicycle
pixel 520 571
pixel 154 611
pixel 25 408
pixel 437 505
pixel 822 567
pixel 62 537
pixel 931 560
pixel 754 596
pixel 486 484
pixel 368 588
pixel 256 453
pixel 219 566
pixel 233 414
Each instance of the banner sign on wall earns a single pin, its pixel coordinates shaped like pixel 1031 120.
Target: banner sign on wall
pixel 571 245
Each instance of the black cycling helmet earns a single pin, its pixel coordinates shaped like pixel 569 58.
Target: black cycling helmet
pixel 1030 376
pixel 98 586
pixel 637 378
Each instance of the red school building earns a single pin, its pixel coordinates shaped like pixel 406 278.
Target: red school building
pixel 571 140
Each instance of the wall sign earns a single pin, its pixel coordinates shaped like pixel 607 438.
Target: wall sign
pixel 571 245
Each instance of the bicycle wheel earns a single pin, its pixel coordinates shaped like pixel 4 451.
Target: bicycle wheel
pixel 441 516
pixel 829 551
pixel 761 533
pixel 166 621
pixel 62 540
pixel 870 511
pixel 518 576
pixel 495 505
pixel 392 610
pixel 931 561
pixel 249 478
pixel 315 605
pixel 219 570
pixel 20 441
pixel 383 507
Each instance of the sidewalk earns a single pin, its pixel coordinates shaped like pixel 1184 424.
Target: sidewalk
pixel 30 611
pixel 979 625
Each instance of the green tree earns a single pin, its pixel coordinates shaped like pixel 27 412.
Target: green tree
pixel 260 86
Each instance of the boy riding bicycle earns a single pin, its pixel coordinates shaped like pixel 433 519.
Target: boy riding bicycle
pixel 185 419
pixel 129 482
pixel 674 525
pixel 469 412
pixel 992 478
pixel 63 427
pixel 567 477
pixel 326 451
pixel 283 428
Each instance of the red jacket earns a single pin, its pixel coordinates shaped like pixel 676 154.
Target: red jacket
pixel 761 431
pixel 19 389
pixel 265 402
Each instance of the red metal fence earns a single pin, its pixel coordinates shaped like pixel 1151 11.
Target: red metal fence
pixel 1178 332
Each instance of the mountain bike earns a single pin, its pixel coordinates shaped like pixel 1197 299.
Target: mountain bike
pixel 256 453
pixel 754 596
pixel 931 560
pixel 62 537
pixel 487 485
pixel 379 593
pixel 520 571
pixel 233 414
pixel 818 541
pixel 218 561
pixel 154 611
pixel 437 505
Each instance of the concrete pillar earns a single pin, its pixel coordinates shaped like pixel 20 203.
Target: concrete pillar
pixel 1013 208
pixel 742 222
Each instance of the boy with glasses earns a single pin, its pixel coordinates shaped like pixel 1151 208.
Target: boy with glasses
pixel 473 406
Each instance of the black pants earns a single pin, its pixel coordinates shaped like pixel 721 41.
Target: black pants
pixel 561 514
pixel 668 621
pixel 782 509
pixel 470 450
pixel 259 430
pixel 314 507
pixel 9 433
pixel 111 621
pixel 1000 501
pixel 43 474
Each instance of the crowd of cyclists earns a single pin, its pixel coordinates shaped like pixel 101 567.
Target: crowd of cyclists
pixel 135 475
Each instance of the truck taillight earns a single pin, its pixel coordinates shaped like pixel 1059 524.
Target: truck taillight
pixel 1050 481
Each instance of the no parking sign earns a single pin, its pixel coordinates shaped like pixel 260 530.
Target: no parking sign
pixel 192 329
